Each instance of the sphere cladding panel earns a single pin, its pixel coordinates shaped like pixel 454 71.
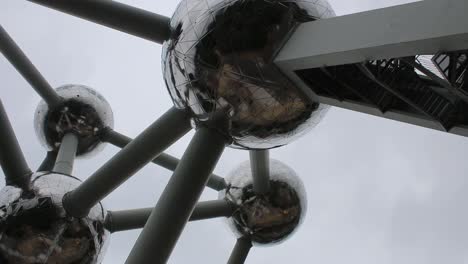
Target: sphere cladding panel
pixel 285 184
pixel 35 228
pixel 83 104
pixel 220 56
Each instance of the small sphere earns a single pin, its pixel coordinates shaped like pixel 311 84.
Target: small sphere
pixel 34 227
pixel 220 57
pixel 83 112
pixel 268 218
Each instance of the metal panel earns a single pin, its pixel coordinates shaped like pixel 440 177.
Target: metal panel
pixel 425 27
pixel 409 118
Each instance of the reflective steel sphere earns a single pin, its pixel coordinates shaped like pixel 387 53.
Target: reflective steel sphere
pixel 219 57
pixel 267 218
pixel 84 112
pixel 34 227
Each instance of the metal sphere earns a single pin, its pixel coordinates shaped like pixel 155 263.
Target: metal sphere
pixel 34 227
pixel 219 57
pixel 267 218
pixel 84 112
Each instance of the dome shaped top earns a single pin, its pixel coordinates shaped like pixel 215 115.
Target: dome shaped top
pixel 219 57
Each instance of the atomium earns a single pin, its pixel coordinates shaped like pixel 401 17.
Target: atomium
pixel 34 227
pixel 219 58
pixel 222 66
pixel 271 217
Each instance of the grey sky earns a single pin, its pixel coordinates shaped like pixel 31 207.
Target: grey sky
pixel 379 191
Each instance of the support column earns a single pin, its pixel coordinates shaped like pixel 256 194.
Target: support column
pixel 67 154
pixel 241 251
pixel 49 161
pixel 125 220
pixel 24 66
pixel 17 171
pixel 260 164
pixel 164 160
pixel 125 18
pixel 173 210
pixel 212 209
pixel 153 141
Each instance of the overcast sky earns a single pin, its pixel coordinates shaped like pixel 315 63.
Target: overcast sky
pixel 379 191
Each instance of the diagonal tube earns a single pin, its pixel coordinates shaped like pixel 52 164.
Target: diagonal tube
pixel 260 164
pixel 241 251
pixel 67 154
pixel 153 141
pixel 125 220
pixel 125 18
pixel 177 202
pixel 17 171
pixel 23 65
pixel 166 161
pixel 49 162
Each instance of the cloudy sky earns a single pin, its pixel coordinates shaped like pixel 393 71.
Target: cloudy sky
pixel 379 191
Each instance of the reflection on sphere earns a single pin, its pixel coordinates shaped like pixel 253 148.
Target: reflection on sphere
pixel 219 58
pixel 266 218
pixel 83 112
pixel 35 229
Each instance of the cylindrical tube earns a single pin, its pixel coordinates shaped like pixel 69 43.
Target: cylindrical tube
pixel 260 164
pixel 164 160
pixel 67 154
pixel 241 251
pixel 49 161
pixel 125 220
pixel 13 163
pixel 125 18
pixel 154 140
pixel 177 202
pixel 22 64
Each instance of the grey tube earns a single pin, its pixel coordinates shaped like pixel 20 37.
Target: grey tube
pixel 23 65
pixel 241 251
pixel 49 162
pixel 17 171
pixel 125 220
pixel 260 164
pixel 125 18
pixel 177 202
pixel 153 141
pixel 164 160
pixel 67 154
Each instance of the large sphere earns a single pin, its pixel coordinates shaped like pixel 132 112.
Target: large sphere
pixel 219 57
pixel 34 227
pixel 84 112
pixel 267 218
